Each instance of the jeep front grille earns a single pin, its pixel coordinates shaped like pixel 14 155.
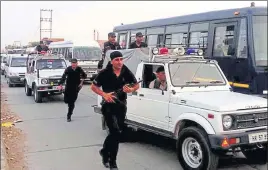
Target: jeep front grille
pixel 22 74
pixel 54 81
pixel 251 120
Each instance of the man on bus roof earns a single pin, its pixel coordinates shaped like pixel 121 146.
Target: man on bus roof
pixel 138 43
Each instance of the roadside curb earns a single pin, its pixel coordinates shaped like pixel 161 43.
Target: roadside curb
pixel 4 165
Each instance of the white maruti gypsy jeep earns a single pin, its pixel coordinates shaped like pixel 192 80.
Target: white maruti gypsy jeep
pixel 199 109
pixel 43 75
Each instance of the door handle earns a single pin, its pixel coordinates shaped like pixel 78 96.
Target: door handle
pixel 142 95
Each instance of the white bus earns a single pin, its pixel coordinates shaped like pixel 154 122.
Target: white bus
pixel 88 54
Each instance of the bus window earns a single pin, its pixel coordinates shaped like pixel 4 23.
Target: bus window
pixel 242 42
pixel 152 40
pixel 198 35
pixel 224 41
pixel 155 36
pixel 178 35
pixel 122 40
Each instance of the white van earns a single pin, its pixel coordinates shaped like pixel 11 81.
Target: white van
pixel 16 69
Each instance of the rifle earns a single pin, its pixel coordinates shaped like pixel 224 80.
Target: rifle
pixel 117 92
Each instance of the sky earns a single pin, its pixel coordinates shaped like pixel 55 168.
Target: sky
pixel 76 20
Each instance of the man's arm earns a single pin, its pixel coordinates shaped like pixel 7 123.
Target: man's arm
pixel 97 83
pixel 63 77
pixel 131 46
pixel 132 79
pixel 83 74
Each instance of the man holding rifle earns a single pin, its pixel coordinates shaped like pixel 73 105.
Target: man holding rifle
pixel 114 77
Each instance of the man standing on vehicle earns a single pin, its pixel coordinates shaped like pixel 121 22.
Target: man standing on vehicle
pixel 41 47
pixel 114 77
pixel 160 82
pixel 74 73
pixel 138 43
pixel 111 44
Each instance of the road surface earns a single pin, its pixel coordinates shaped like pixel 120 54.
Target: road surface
pixel 54 144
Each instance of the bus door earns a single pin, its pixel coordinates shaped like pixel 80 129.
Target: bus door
pixel 222 46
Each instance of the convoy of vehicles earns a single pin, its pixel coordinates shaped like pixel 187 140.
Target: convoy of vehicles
pixel 43 75
pixel 15 69
pixel 236 38
pixel 204 129
pixel 88 55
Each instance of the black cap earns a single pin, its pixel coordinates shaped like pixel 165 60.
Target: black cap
pixel 115 54
pixel 160 69
pixel 139 34
pixel 73 60
pixel 111 34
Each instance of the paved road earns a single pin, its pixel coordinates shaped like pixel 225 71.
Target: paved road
pixel 54 144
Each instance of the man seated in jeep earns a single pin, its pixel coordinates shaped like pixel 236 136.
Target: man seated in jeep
pixel 160 82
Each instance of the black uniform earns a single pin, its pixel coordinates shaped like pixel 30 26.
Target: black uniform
pixel 114 113
pixel 108 46
pixel 134 45
pixel 39 48
pixel 72 86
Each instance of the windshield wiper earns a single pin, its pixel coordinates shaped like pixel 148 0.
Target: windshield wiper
pixel 215 82
pixel 192 82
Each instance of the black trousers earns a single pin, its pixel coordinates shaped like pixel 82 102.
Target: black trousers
pixel 114 115
pixel 70 97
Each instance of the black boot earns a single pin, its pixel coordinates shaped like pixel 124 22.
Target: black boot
pixel 69 118
pixel 113 165
pixel 105 158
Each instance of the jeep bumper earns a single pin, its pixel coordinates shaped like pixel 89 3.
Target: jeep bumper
pixel 50 89
pixel 16 80
pixel 226 142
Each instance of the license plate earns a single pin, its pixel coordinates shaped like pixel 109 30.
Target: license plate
pixel 55 87
pixel 257 137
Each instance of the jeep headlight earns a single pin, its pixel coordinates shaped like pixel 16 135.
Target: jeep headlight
pixel 227 121
pixel 13 74
pixel 44 81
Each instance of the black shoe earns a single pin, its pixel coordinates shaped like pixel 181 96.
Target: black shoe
pixel 69 119
pixel 105 159
pixel 113 165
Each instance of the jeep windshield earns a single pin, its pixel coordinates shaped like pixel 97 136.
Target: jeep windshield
pixel 195 74
pixel 87 53
pixel 260 39
pixel 18 62
pixel 44 64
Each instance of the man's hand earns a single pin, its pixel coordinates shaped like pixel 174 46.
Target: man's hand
pixel 109 97
pixel 128 89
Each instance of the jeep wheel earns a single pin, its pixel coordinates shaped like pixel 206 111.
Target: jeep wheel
pixel 193 150
pixel 37 96
pixel 9 84
pixel 28 91
pixel 256 156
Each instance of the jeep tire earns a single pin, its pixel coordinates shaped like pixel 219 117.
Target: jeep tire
pixel 193 150
pixel 257 156
pixel 28 91
pixel 37 96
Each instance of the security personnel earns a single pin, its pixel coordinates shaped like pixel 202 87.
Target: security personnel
pixel 138 43
pixel 74 73
pixel 111 44
pixel 114 77
pixel 41 47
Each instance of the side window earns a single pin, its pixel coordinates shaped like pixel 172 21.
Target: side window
pixel 155 37
pixel 242 40
pixel 123 40
pixel 176 35
pixel 224 42
pixel 32 66
pixel 199 35
pixel 149 75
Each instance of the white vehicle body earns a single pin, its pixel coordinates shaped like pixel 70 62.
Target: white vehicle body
pixel 15 72
pixel 88 54
pixel 44 81
pixel 207 108
pixel 31 50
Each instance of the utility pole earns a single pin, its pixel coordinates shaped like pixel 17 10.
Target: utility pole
pixel 45 20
